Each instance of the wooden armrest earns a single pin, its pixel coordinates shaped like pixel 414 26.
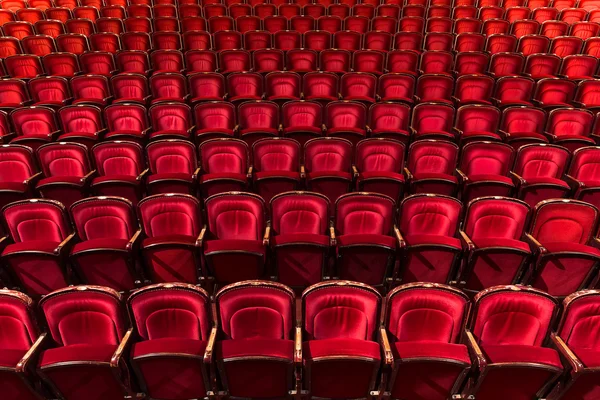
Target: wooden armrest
pixel 533 241
pixel 298 346
pixel 388 358
pixel 141 176
pixel 408 173
pixel 32 178
pixel 474 347
pixel 22 364
pixel 462 175
pixel 267 236
pixel 196 173
pixel 332 240
pixel 133 239
pixel 399 238
pixel 518 178
pixel 355 171
pixel 249 174
pixel 87 176
pixel 200 239
pixel 563 349
pixel 62 244
pixel 208 353
pixel 302 172
pixel 467 240
pixel 114 361
pixel 574 182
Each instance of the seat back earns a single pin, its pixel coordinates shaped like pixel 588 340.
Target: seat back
pixel 81 119
pixel 170 214
pixel 34 120
pixel 224 156
pixel 486 158
pixel 585 164
pixel 432 118
pixel 570 121
pixel 496 217
pixel 235 216
pixel 64 159
pixel 580 320
pixel 118 158
pixel 215 116
pixel 432 156
pixel 171 156
pixel 424 214
pixel 478 118
pixel 302 114
pixel 276 154
pixel 126 117
pixel 17 163
pixel 566 221
pixel 379 155
pixel 541 160
pixel 327 154
pixel 104 218
pixel 300 213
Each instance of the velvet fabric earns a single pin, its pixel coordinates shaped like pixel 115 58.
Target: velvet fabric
pixel 124 118
pixel 244 86
pixel 168 86
pixel 478 121
pixel 389 119
pixel 346 120
pixel 276 165
pixel 280 85
pixel 320 86
pixel 129 88
pixel 258 120
pixel 81 123
pixel 214 119
pixel 474 89
pixel 16 165
pixel 14 92
pixel 334 60
pixel 90 89
pixel 50 91
pixel 33 121
pixel 14 387
pixel 380 164
pixel 118 159
pixel 207 86
pixel 301 116
pixel 199 60
pixel 578 326
pixel 435 88
pixel 23 66
pixel 235 61
pixel 173 119
pixel 432 165
pixel 432 120
pixel 358 86
pixel 172 163
pixel 167 58
pixel 224 163
pixel 514 90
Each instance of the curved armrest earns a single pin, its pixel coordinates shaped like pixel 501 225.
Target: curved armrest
pixel 467 240
pixel 114 361
pixel 574 183
pixel 332 240
pixel 388 356
pixel 518 179
pixel 534 243
pixel 355 172
pixel 64 243
pixel 267 236
pixel 200 239
pixel 208 354
pixel 566 353
pixel 22 364
pixel 302 172
pixel 134 239
pixel 463 177
pixel 475 351
pixel 196 173
pixel 399 238
pixel 408 174
pixel 32 178
pixel 87 176
pixel 298 346
pixel 142 174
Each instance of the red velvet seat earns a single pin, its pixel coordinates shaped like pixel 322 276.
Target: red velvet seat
pixel 121 170
pixel 173 167
pixel 106 41
pixel 34 126
pixel 72 43
pixel 341 359
pixel 428 236
pixel 320 86
pixel 358 86
pixel 224 165
pixel 567 258
pixel 430 361
pixel 18 173
pixel 255 340
pixel 432 121
pixel 170 120
pixel 538 172
pixel 136 40
pixel 207 86
pixel 49 91
pixel 347 40
pixel 477 122
pixel 51 26
pixel 366 246
pixel 579 66
pixel 244 86
pixel 253 40
pixel 493 235
pixel 38 45
pixel 334 60
pixel 346 119
pixel 327 162
pixel 196 40
pixel 92 89
pixel 168 87
pixel 234 61
pixel 402 61
pixel 167 60
pixel 441 41
pixel 276 166
pixel 109 233
pixel 434 88
pixel 130 88
pixel 283 86
pixel 200 61
pixel 582 175
pixel 88 327
pixel 523 125
pixel 302 120
pixel 18 29
pixel 587 93
pixel 41 237
pixel 554 92
pixel 436 62
pixel 81 124
pixel 306 59
pixel 98 63
pixel 506 65
pixel 13 93
pixel 126 121
pixel 368 61
pixel 133 61
pixel 236 242
pixel 379 165
pixel 173 321
pixel 268 60
pixel 214 120
pixel 430 167
pixel 564 46
pixel 473 89
pixel 389 120
pixel 61 64
pixel 20 347
pixel 257 120
pixel 507 332
pixel 578 348
pixel 67 172
pixel 513 91
pixel 471 62
pixel 174 231
pixel 483 170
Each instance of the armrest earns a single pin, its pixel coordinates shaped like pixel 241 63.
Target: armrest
pixel 298 346
pixel 142 175
pixel 399 238
pixel 302 172
pixel 87 176
pixel 267 236
pixel 249 174
pixel 388 356
pixel 200 239
pixel 475 350
pixel 332 240
pixel 566 353
pixel 62 244
pixel 196 173
pixel 114 361
pixel 465 238
pixel 22 364
pixel 574 183
pixel 32 178
pixel 579 104
pixel 134 239
pixel 208 354
pixel 463 177
pixel 517 178
pixel 503 134
pixel 355 171
pixel 323 127
pixel 533 242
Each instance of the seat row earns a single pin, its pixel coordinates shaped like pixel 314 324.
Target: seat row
pixel 498 241
pixel 255 348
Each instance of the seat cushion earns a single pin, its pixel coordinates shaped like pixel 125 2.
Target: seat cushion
pixel 170 176
pixel 434 175
pixel 520 353
pixel 118 178
pixel 431 349
pixel 558 247
pixel 381 174
pixel 13 186
pixel 105 243
pixel 252 246
pixel 292 129
pixel 340 347
pixel 230 176
pixel 492 242
pixel 413 240
pixel 366 239
pixel 590 358
pixel 489 177
pixel 169 346
pixel 300 238
pixel 136 134
pixel 547 180
pixel 70 180
pixel 31 245
pixel 169 239
pixel 563 138
pixel 277 174
pixel 77 352
pixel 279 348
pixel 9 358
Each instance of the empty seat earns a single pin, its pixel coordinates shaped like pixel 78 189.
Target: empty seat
pixel 431 167
pixel 435 88
pixel 497 252
pixel 174 325
pixel 320 86
pixel 126 121
pixel 567 257
pixel 244 86
pixel 130 88
pixel 18 173
pixel 334 351
pixel 477 122
pixel 108 231
pixel 81 124
pixel 173 167
pixel 98 63
pixel 92 89
pixel 171 120
pixel 346 119
pixel 168 87
pixel 432 121
pixel 173 229
pixel 473 89
pixel 283 86
pixel 237 237
pixel 509 327
pixel 41 236
pixel 257 120
pixel 583 177
pixel 379 165
pixel 586 96
pixel 523 125
pixel 23 66
pixel 302 120
pixel 430 361
pixel 34 126
pixel 89 331
pixel 389 120
pixel 275 166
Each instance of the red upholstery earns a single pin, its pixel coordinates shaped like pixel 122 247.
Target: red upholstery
pixel 276 163
pixel 380 163
pixel 478 122
pixel 432 120
pixel 214 119
pixel 172 165
pixel 431 164
pixel 301 120
pixel 126 121
pixel 258 119
pixel 346 119
pixel 224 165
pixel 582 168
pixel 171 222
pixel 17 166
